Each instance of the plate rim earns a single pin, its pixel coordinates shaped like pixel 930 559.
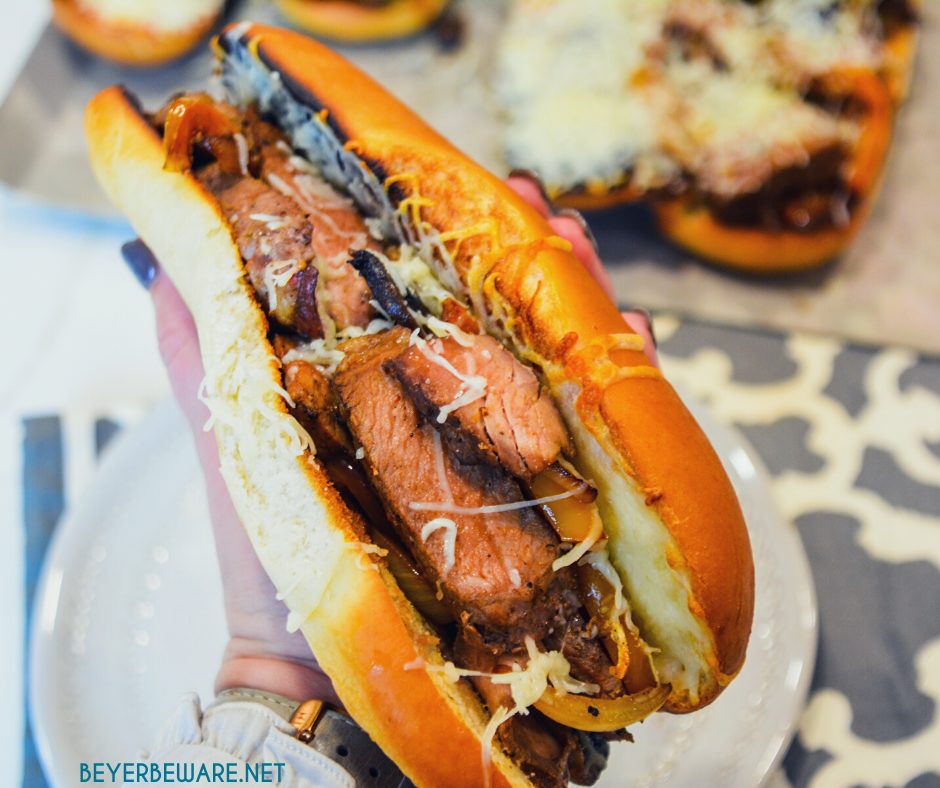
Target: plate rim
pixel 48 592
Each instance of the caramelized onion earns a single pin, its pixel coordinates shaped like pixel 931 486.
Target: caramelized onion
pixel 867 90
pixel 193 119
pixel 597 594
pixel 573 517
pixel 601 714
pixel 640 674
pixel 345 476
pixel 631 660
pixel 413 585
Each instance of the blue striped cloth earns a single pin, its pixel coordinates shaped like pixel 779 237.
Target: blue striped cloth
pixel 44 501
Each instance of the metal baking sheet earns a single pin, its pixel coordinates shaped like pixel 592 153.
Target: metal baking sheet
pixel 885 289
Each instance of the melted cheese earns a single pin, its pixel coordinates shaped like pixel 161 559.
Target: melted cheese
pixel 565 81
pixel 816 36
pixel 638 91
pixel 168 15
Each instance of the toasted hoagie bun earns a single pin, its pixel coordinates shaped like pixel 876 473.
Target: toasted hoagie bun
pixel 140 34
pixel 674 527
pixel 358 20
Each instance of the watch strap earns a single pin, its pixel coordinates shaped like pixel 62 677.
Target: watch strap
pixel 330 733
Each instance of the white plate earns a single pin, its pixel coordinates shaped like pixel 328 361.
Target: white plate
pixel 129 616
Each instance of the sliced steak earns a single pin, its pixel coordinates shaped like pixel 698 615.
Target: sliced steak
pixel 501 568
pixel 339 229
pixel 514 423
pixel 273 237
pixel 316 408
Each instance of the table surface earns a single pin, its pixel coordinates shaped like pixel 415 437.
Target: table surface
pixel 850 434
pixel 884 289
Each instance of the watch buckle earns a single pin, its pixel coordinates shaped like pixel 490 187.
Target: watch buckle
pixel 305 719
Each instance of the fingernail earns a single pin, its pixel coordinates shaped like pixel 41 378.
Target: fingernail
pixel 141 261
pixel 532 177
pixel 578 217
pixel 647 318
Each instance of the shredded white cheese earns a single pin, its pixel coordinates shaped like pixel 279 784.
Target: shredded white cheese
pixel 368 548
pixel 242 144
pixel 450 538
pixel 527 684
pixel 441 328
pixel 270 220
pixel 452 508
pixel 277 274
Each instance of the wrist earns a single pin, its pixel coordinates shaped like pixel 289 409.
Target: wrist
pixel 245 667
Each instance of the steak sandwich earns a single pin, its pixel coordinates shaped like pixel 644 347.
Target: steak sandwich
pixel 498 527
pixel 757 130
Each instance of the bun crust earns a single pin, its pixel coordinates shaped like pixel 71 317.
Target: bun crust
pixel 347 20
pixel 123 42
pixel 642 446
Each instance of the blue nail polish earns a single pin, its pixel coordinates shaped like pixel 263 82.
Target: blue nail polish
pixel 141 261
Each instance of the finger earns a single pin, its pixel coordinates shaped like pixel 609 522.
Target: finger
pixel 571 226
pixel 641 321
pixel 527 185
pixel 179 349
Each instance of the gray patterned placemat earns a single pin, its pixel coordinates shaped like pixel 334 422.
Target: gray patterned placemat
pixel 851 436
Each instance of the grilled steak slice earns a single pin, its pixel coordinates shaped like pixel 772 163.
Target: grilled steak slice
pixel 273 237
pixel 514 423
pixel 338 227
pixel 292 228
pixel 315 407
pixel 501 562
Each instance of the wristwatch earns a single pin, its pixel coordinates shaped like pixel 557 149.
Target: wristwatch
pixel 331 733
